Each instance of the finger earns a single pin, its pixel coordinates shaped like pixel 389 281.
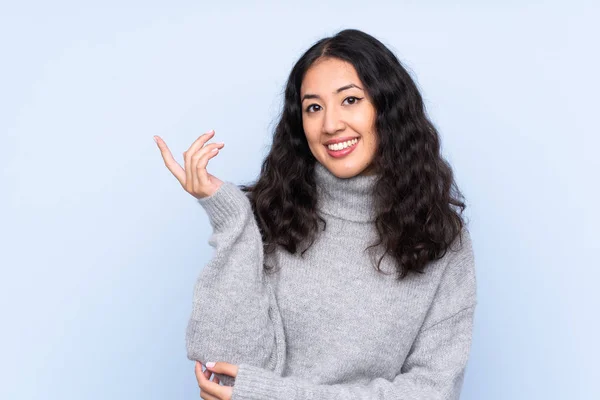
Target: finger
pixel 187 155
pixel 170 162
pixel 200 162
pixel 198 372
pixel 224 368
pixel 207 396
pixel 207 387
pixel 216 391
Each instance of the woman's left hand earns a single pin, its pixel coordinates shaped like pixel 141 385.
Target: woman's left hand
pixel 212 390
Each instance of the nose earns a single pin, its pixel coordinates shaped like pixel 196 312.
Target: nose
pixel 332 123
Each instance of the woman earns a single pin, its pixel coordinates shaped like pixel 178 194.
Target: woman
pixel 346 271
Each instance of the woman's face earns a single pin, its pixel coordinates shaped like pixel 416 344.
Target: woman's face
pixel 336 108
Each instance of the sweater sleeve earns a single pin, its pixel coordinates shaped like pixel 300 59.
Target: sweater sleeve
pixel 434 368
pixel 234 314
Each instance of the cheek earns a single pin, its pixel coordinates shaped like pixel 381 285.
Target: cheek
pixel 364 120
pixel 371 129
pixel 310 130
pixel 370 139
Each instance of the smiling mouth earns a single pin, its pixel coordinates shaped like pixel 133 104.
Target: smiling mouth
pixel 341 153
pixel 353 142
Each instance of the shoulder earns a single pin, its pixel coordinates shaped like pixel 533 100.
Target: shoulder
pixel 459 278
pixel 461 248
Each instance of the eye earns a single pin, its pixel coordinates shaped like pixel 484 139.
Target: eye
pixel 352 99
pixel 309 108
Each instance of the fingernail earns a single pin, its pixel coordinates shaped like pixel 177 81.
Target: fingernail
pixel 210 364
pixel 155 139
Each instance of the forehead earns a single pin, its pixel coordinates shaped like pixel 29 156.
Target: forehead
pixel 327 75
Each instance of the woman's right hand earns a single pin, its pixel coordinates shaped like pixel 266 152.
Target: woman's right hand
pixel 194 178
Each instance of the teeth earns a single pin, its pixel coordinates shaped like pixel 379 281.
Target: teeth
pixel 343 145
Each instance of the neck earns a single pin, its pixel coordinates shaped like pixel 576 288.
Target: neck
pixel 346 198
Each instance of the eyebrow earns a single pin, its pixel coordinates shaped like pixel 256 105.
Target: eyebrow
pixel 316 96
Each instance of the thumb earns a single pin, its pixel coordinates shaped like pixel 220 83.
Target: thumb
pixel 222 368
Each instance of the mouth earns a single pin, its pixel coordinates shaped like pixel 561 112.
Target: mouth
pixel 338 152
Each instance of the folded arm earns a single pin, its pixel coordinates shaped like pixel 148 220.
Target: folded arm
pixel 434 368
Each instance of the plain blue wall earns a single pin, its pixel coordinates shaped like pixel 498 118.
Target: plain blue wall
pixel 101 246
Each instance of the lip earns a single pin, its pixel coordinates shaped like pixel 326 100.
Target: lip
pixel 342 153
pixel 341 139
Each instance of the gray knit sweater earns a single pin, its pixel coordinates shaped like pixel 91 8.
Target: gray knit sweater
pixel 328 325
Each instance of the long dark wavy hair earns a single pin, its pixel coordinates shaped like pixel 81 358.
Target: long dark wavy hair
pixel 418 206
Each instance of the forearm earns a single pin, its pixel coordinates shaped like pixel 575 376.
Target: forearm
pixel 434 370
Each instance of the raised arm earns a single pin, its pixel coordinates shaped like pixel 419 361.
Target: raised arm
pixel 234 314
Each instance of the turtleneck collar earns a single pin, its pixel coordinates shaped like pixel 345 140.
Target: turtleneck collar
pixel 347 198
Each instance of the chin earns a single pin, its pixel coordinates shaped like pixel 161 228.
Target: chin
pixel 343 172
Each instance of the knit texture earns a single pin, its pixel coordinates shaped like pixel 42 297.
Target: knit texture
pixel 328 325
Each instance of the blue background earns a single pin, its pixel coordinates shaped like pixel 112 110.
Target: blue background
pixel 100 245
